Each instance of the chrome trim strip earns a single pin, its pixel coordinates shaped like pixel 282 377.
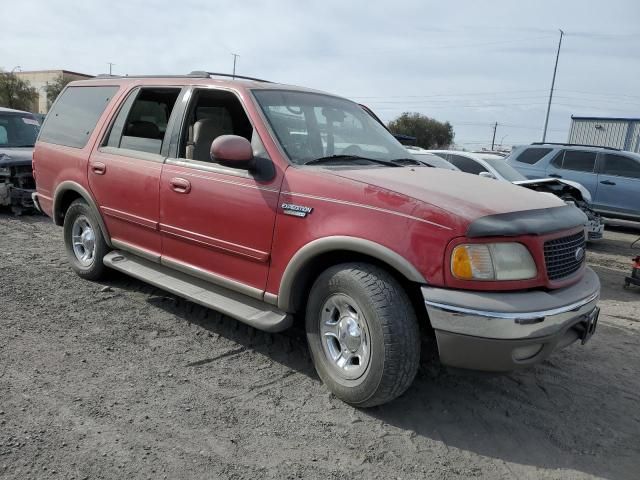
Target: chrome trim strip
pixel 212 278
pixel 36 202
pixel 128 153
pixel 127 217
pixel 141 252
pixel 271 298
pixel 214 243
pixel 217 170
pixel 369 207
pixel 515 315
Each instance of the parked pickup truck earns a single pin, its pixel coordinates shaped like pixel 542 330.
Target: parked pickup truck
pixel 272 203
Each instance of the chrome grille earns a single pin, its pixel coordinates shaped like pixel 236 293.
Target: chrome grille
pixel 561 255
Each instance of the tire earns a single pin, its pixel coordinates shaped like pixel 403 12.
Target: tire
pixel 363 334
pixel 88 267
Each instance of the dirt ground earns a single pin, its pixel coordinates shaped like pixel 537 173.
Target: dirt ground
pixel 121 380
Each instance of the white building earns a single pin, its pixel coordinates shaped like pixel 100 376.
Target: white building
pixel 39 80
pixel 622 133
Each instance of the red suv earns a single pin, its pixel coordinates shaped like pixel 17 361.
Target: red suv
pixel 270 202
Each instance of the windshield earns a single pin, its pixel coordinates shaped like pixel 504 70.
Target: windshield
pixel 504 169
pixel 434 160
pixel 312 126
pixel 18 130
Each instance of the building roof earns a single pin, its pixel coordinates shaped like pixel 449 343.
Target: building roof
pixel 614 119
pixel 55 71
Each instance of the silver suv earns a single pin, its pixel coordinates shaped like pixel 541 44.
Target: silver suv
pixel 612 176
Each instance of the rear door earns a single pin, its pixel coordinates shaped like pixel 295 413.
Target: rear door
pixel 576 165
pixel 618 185
pixel 124 172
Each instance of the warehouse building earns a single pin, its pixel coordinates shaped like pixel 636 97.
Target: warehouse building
pixel 622 133
pixel 39 79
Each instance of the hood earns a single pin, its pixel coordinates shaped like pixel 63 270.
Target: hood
pixel 15 156
pixel 465 195
pixel 560 187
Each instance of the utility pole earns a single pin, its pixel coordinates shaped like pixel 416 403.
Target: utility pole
pixel 110 67
pixel 553 82
pixel 493 141
pixel 235 56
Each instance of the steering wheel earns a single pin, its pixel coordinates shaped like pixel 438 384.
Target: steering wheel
pixel 293 110
pixel 354 150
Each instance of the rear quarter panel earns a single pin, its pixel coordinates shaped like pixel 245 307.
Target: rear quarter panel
pixel 54 164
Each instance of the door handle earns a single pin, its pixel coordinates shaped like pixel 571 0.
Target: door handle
pixel 555 175
pixel 180 185
pixel 607 182
pixel 98 168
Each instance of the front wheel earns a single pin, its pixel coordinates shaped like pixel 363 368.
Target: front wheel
pixel 362 333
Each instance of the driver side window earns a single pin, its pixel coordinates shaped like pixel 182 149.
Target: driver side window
pixel 466 164
pixel 213 113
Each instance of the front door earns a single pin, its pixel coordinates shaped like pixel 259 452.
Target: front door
pixel 217 222
pixel 576 165
pixel 618 185
pixel 124 172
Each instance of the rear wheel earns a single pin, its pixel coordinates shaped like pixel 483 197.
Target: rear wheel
pixel 362 333
pixel 84 241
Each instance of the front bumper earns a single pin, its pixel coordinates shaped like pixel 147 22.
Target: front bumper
pixel 503 331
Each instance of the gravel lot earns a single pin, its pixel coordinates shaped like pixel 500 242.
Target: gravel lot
pixel 121 380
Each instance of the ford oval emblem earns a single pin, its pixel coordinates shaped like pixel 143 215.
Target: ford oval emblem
pixel 579 254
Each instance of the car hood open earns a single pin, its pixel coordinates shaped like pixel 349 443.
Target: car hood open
pixel 467 196
pixel 10 157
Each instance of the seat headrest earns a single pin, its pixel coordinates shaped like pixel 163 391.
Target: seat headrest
pixel 141 128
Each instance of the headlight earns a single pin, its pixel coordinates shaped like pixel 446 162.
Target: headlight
pixel 492 261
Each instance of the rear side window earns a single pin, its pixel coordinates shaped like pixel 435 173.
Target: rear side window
pixel 532 155
pixel 75 114
pixel 621 166
pixel 466 164
pixel 141 124
pixel 579 161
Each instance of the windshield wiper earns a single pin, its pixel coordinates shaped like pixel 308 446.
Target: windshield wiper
pixel 406 161
pixel 337 158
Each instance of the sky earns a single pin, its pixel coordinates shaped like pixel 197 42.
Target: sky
pixel 469 62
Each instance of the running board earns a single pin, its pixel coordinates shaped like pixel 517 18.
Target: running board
pixel 253 312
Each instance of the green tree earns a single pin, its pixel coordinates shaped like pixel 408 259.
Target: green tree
pixel 429 133
pixel 16 93
pixel 54 88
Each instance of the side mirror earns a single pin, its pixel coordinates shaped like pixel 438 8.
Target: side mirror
pixel 233 151
pixel 487 175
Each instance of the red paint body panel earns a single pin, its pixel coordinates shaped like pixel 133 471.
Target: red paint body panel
pixel 224 225
pixel 233 226
pixel 127 196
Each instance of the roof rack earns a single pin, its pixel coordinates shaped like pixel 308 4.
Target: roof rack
pixel 194 74
pixel 190 75
pixel 575 145
pixel 200 73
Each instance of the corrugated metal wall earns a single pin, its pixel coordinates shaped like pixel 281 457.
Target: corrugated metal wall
pixel 599 132
pixel 634 143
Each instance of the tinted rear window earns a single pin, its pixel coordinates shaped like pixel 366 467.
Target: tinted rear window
pixel 466 164
pixel 532 155
pixel 75 114
pixel 579 160
pixel 621 166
